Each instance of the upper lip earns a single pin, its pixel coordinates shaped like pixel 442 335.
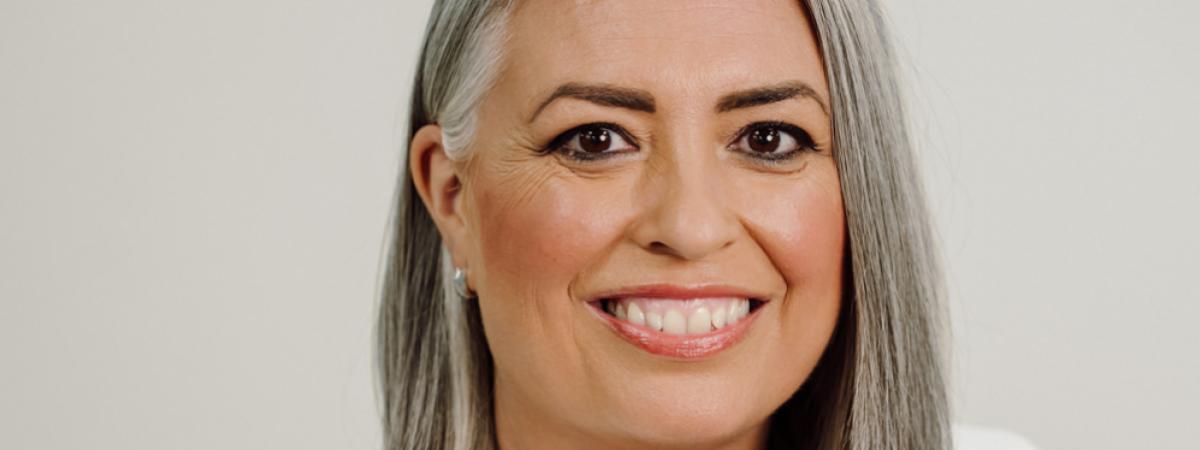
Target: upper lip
pixel 677 291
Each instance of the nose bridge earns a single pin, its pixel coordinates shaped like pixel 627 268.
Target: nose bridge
pixel 685 212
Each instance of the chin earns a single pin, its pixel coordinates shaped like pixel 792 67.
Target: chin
pixel 689 415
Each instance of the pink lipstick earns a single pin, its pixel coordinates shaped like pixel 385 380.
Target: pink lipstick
pixel 679 322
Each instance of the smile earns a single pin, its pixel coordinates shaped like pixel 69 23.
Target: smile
pixel 677 322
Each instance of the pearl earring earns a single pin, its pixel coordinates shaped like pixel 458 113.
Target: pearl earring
pixel 460 284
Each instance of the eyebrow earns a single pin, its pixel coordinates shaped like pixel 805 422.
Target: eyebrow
pixel 640 100
pixel 601 94
pixel 770 94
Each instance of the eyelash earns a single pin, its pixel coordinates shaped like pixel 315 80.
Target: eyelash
pixel 804 141
pixel 559 143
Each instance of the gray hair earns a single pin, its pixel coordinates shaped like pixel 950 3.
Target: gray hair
pixel 880 383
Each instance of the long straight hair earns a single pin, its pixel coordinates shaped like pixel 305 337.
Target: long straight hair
pixel 878 385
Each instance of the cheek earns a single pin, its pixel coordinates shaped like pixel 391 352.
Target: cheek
pixel 808 236
pixel 542 226
pixel 536 233
pixel 801 227
pixel 800 224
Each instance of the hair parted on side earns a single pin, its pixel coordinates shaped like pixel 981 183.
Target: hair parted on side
pixel 880 383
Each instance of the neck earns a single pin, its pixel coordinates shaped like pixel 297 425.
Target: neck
pixel 519 426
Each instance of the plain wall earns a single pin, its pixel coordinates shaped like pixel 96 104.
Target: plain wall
pixel 193 197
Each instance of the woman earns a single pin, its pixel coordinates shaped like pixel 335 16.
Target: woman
pixel 643 224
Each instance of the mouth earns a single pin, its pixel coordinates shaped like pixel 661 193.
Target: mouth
pixel 679 323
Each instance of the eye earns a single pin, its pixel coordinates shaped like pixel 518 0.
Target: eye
pixel 773 141
pixel 592 142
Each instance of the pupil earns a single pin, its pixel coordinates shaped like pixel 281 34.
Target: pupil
pixel 594 140
pixel 764 140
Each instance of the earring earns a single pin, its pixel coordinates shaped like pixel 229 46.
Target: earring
pixel 460 284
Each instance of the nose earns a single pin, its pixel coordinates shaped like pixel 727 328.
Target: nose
pixel 684 212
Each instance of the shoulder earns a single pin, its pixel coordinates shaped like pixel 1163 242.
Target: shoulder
pixel 972 437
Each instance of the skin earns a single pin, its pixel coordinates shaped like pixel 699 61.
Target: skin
pixel 539 232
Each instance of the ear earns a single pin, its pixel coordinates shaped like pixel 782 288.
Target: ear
pixel 437 181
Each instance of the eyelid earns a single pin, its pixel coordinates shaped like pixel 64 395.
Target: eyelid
pixel 796 131
pixel 558 143
pixel 804 142
pixel 562 138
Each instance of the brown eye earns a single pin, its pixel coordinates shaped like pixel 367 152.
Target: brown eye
pixel 592 142
pixel 763 140
pixel 773 141
pixel 595 140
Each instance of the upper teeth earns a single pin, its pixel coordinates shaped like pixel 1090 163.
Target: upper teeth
pixel 673 316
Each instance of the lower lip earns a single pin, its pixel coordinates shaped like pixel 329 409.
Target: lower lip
pixel 680 346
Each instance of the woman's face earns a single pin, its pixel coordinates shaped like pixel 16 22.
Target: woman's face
pixel 643 174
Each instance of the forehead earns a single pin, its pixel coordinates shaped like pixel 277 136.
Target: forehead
pixel 695 49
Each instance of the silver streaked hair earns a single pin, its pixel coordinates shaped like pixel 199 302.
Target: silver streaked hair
pixel 880 383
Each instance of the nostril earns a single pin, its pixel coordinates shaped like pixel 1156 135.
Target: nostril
pixel 663 248
pixel 685 250
pixel 686 228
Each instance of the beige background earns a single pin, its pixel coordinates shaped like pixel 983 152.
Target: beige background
pixel 193 197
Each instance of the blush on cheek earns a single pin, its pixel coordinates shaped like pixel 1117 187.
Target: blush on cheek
pixel 554 230
pixel 803 231
pixel 814 249
pixel 534 239
pixel 528 235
